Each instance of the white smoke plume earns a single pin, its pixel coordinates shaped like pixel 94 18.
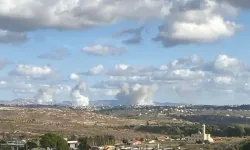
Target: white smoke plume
pixel 136 95
pixel 78 99
pixel 44 96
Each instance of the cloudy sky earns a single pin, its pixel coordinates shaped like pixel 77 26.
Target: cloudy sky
pixel 192 51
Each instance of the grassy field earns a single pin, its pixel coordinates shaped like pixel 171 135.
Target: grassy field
pixel 66 122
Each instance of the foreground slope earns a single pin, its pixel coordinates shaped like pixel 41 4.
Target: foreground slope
pixel 65 121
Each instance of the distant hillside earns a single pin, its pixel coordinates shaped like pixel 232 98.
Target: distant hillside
pixel 116 103
pixel 37 120
pixel 18 102
pixel 104 103
pixel 167 104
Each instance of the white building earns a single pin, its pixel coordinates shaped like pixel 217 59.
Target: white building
pixel 200 136
pixel 73 145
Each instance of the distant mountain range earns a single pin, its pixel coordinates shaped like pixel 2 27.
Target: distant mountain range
pixel 18 102
pixel 68 103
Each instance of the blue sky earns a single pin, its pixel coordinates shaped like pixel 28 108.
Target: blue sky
pixel 216 33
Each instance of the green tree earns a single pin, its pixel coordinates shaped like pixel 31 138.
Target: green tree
pixel 31 145
pixel 53 141
pixel 177 131
pixel 245 146
pixel 240 130
pixel 72 138
pixel 84 145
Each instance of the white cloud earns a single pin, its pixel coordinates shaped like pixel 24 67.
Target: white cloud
pixel 181 17
pixel 224 64
pixel 180 74
pixel 189 62
pixel 164 67
pixel 102 50
pixel 127 70
pixel 32 71
pixel 75 14
pixel 195 22
pixel 74 77
pixel 192 78
pixel 97 70
pixel 223 80
pixel 122 70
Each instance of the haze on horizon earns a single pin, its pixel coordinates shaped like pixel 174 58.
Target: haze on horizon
pixel 138 52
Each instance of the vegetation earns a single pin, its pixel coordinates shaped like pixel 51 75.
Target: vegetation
pixel 187 130
pixel 53 141
pixel 87 142
pixel 245 146
pixel 31 145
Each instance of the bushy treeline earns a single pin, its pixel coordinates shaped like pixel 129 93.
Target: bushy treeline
pixel 214 130
pixel 170 130
pixel 214 119
pixel 86 142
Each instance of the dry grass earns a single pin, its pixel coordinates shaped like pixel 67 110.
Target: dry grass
pixel 35 121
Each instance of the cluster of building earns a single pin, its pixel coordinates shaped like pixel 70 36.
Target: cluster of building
pixel 73 145
pixel 15 144
pixel 194 138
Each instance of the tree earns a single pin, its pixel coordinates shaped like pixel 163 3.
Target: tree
pixel 125 141
pixel 177 131
pixel 141 139
pixel 84 145
pixel 53 141
pixel 31 145
pixel 245 146
pixel 240 130
pixel 72 138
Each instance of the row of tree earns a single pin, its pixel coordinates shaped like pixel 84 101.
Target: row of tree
pixel 56 142
pixel 187 130
pixel 86 142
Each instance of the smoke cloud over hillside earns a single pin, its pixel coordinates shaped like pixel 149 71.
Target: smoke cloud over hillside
pixel 78 99
pixel 136 95
pixel 44 96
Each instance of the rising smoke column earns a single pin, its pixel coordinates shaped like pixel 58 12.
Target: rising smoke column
pixel 44 96
pixel 78 99
pixel 136 95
